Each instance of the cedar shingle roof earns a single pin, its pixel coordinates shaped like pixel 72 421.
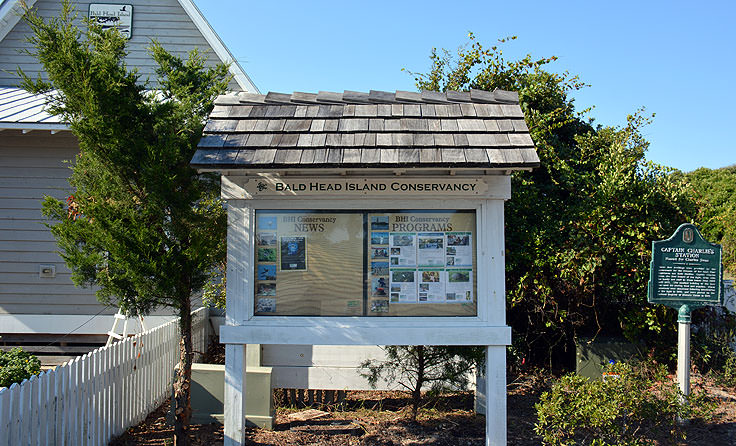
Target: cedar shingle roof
pixel 377 129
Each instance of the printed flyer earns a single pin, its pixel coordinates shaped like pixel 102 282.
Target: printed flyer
pixel 459 249
pixel 431 285
pixel 293 253
pixel 459 285
pixel 403 249
pixel 403 286
pixel 431 249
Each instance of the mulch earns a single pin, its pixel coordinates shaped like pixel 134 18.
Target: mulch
pixel 384 419
pixel 377 418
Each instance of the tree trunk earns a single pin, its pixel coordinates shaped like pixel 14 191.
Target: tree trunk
pixel 417 392
pixel 182 383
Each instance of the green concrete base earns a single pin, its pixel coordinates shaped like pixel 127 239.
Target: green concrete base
pixel 208 395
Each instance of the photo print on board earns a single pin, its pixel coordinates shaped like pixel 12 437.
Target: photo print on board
pixel 266 272
pixel 379 222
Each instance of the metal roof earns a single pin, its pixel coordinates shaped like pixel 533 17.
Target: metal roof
pixel 20 109
pixel 475 129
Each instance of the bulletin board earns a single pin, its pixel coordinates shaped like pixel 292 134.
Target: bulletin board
pixel 365 263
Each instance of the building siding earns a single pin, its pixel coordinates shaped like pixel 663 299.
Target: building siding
pixel 162 20
pixel 33 166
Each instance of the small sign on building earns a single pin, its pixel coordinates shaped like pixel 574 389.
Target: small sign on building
pixel 113 16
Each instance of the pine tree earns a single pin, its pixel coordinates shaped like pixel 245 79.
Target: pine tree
pixel 140 224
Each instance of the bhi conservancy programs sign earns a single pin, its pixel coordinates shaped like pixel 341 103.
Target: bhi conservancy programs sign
pixel 686 270
pixel 265 186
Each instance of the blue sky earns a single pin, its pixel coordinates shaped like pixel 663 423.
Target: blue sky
pixel 676 58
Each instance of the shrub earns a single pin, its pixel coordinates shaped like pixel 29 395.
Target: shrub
pixel 635 406
pixel 17 365
pixel 714 331
pixel 413 367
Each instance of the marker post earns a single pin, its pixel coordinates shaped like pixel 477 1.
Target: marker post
pixel 686 273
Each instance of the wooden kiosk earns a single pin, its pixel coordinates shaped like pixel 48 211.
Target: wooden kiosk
pixel 366 219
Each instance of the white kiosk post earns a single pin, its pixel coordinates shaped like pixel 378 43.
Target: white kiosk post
pixel 366 219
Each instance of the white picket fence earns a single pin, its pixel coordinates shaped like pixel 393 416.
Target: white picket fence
pixel 95 397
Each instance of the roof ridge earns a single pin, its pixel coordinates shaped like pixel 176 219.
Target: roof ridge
pixel 496 96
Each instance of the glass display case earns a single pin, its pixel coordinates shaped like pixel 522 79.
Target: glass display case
pixel 365 263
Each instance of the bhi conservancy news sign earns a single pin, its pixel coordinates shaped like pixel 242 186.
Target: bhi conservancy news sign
pixel 686 270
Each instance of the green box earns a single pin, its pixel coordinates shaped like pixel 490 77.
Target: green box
pixel 592 356
pixel 208 395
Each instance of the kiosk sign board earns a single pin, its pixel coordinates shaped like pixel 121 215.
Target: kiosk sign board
pixel 686 270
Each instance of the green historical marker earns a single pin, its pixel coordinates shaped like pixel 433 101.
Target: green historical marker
pixel 686 271
pixel 685 274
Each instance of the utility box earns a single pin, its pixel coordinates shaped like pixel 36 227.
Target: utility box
pixel 208 395
pixel 591 356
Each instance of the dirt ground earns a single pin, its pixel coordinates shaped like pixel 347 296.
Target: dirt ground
pixel 384 418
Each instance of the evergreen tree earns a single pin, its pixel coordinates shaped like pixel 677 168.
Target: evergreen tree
pixel 140 224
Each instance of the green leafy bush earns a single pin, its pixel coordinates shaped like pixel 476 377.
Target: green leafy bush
pixel 636 405
pixel 714 330
pixel 17 365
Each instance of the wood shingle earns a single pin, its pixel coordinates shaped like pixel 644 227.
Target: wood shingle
pixel 476 129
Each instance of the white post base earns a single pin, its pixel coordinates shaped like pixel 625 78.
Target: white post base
pixel 495 390
pixel 683 357
pixel 234 395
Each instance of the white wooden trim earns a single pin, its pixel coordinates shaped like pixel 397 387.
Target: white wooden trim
pixel 493 258
pixel 324 378
pixel 340 335
pixel 375 323
pixel 491 308
pixel 10 15
pixel 497 187
pixel 363 204
pixel 28 126
pixel 239 286
pixel 218 46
